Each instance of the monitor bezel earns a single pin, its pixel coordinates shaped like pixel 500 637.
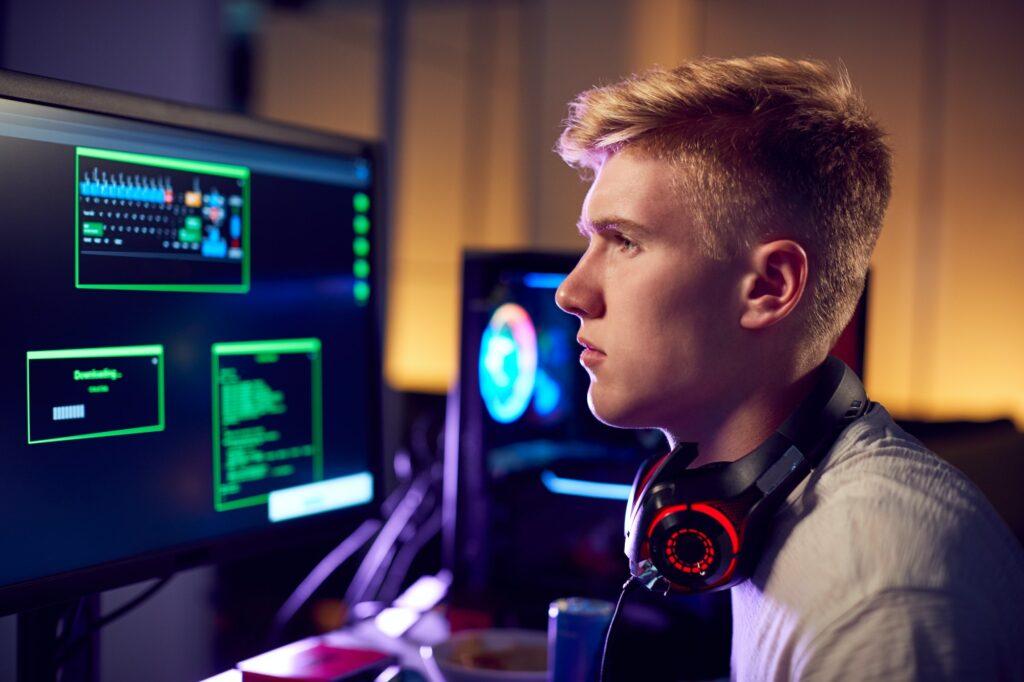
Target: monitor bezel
pixel 42 591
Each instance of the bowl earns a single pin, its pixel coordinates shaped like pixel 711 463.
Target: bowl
pixel 495 655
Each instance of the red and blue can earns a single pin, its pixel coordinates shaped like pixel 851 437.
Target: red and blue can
pixel 576 633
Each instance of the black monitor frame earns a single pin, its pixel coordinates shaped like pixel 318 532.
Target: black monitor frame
pixel 37 593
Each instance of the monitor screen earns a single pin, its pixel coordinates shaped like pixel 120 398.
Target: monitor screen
pixel 190 338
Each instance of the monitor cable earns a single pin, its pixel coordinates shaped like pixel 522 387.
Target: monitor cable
pixel 379 557
pixel 404 557
pixel 411 520
pixel 321 572
pixel 327 566
pixel 420 529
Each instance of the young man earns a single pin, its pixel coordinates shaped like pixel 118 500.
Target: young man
pixel 733 211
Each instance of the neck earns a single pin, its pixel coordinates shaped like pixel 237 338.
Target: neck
pixel 750 421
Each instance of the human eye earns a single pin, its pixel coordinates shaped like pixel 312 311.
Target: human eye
pixel 625 244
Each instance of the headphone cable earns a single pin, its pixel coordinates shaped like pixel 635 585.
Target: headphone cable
pixel 629 584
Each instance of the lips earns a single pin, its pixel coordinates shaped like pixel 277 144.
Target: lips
pixel 591 356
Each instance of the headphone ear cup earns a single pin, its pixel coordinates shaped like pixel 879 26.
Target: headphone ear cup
pixel 693 546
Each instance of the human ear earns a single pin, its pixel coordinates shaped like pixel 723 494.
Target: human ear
pixel 774 283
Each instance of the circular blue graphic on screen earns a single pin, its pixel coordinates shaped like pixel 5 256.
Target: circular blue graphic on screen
pixel 508 363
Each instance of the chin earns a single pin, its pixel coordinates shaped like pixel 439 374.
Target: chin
pixel 620 416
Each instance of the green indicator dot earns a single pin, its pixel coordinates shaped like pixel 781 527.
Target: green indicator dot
pixel 361 246
pixel 361 268
pixel 361 202
pixel 361 291
pixel 361 224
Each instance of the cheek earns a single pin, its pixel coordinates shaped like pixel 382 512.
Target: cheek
pixel 679 326
pixel 664 314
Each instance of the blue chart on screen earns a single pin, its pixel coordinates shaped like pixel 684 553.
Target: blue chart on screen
pixel 508 363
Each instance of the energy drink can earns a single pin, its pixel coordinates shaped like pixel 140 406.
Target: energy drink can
pixel 576 632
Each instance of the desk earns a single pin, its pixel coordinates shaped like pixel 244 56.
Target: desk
pixel 431 629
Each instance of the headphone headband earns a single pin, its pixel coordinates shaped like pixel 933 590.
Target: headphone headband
pixel 837 399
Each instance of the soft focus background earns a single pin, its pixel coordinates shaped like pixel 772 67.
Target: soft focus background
pixel 486 84
pixel 470 94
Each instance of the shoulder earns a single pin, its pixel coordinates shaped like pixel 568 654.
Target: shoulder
pixel 904 634
pixel 896 489
pixel 886 526
pixel 884 512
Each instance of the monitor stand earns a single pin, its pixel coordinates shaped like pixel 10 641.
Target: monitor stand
pixel 40 644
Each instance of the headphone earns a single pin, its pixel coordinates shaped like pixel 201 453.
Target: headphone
pixel 692 530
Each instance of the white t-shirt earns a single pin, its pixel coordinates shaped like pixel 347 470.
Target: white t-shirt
pixel 885 564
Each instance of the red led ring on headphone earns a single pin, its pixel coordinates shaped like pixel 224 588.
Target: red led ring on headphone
pixel 691 550
pixel 702 509
pixel 692 542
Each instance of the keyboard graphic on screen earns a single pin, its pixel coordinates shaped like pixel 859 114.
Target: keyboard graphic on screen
pixel 158 223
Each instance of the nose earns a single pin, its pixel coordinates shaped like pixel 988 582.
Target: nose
pixel 579 293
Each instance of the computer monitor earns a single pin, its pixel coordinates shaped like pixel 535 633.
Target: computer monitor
pixel 190 343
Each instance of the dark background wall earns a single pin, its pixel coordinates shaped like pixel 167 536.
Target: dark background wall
pixel 170 50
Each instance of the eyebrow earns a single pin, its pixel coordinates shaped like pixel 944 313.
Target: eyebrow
pixel 588 227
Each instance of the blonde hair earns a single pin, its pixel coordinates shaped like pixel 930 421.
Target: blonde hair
pixel 766 148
